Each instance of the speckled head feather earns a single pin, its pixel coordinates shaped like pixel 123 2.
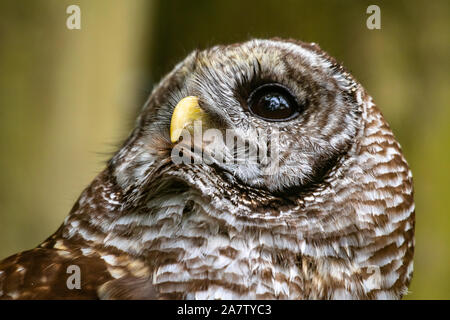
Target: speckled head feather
pixel 333 219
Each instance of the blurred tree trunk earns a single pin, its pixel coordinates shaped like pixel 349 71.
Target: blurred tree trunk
pixel 66 98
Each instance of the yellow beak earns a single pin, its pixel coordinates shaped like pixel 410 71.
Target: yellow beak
pixel 185 113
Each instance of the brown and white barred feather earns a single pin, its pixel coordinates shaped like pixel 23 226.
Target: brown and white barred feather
pixel 147 228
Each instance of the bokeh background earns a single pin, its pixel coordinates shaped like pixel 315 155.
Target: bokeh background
pixel 69 97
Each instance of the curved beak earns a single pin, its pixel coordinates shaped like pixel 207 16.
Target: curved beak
pixel 185 113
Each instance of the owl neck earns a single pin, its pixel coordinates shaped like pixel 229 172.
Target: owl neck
pixel 103 216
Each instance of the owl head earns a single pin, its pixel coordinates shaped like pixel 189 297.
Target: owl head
pixel 271 114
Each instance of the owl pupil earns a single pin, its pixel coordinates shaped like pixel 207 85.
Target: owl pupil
pixel 273 102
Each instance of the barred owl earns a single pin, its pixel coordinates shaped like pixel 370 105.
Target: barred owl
pixel 324 210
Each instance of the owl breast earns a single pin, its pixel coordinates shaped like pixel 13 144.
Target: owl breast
pixel 216 256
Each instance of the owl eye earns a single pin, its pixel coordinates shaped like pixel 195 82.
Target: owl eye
pixel 273 102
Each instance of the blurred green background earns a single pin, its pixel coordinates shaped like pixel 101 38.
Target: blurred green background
pixel 68 97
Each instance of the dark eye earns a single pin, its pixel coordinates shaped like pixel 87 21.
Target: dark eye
pixel 273 102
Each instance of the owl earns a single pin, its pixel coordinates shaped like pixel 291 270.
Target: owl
pixel 256 170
